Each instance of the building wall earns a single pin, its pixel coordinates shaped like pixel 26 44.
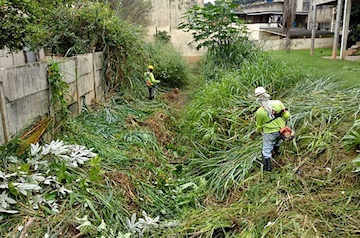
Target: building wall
pixel 166 16
pixel 275 42
pixel 264 7
pixel 296 44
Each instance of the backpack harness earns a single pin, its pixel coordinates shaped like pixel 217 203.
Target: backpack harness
pixel 277 114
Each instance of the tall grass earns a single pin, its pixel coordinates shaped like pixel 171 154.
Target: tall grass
pixel 220 122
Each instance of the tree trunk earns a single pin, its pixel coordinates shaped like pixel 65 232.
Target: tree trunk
pixel 289 14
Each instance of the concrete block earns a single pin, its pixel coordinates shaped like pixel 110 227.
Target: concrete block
pixel 89 98
pixel 71 96
pixel 98 60
pixel 2 135
pixel 85 84
pixel 30 56
pixel 100 93
pixel 41 55
pixel 73 108
pixel 67 70
pixel 22 81
pixel 84 64
pixel 24 111
pixel 6 62
pixel 98 78
pixel 19 58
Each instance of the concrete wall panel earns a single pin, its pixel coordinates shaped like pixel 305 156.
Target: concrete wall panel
pixel 73 108
pixel 24 80
pixel 24 111
pixel 3 123
pixel 71 96
pixel 100 92
pixel 19 58
pixel 85 84
pixel 98 60
pixel 296 44
pixel 84 64
pixel 24 91
pixel 3 53
pixel 6 62
pixel 2 137
pixel 67 70
pixel 98 78
pixel 89 98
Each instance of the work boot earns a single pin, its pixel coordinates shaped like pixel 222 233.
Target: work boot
pixel 266 163
pixel 276 151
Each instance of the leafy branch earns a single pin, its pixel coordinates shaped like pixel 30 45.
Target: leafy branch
pixel 214 25
pixel 58 89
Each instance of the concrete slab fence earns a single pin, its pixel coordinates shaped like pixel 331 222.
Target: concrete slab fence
pixel 25 93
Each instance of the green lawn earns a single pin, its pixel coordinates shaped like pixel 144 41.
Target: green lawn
pixel 318 65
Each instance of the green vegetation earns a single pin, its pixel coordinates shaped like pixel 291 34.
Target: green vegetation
pixel 12 15
pixel 320 65
pixel 210 25
pixel 59 89
pixel 129 167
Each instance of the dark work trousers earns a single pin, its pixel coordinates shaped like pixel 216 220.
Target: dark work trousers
pixel 152 90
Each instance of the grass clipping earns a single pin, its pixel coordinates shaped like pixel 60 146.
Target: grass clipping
pixel 312 190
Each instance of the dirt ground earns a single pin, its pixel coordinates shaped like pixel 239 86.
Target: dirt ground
pixel 193 59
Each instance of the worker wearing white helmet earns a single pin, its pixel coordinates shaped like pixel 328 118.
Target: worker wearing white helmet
pixel 270 118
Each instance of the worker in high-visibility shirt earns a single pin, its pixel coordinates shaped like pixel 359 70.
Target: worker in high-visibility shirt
pixel 151 82
pixel 270 118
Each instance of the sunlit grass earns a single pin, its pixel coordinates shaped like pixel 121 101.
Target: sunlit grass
pixel 321 65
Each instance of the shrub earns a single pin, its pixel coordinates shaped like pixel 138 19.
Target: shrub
pixel 171 68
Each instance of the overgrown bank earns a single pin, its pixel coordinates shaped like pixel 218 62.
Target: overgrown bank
pixel 139 168
pixel 196 168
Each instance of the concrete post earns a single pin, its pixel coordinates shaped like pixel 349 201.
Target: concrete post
pixel 345 30
pixel 94 72
pixel 78 103
pixel 337 28
pixel 51 104
pixel 3 114
pixel 313 28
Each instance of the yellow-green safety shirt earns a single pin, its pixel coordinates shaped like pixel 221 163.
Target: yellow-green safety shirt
pixel 149 75
pixel 263 119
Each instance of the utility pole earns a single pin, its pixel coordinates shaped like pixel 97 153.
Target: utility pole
pixel 313 29
pixel 337 28
pixel 345 30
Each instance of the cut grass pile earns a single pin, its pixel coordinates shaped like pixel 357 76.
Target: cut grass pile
pixel 312 191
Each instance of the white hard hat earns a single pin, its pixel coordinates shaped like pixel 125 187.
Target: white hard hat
pixel 259 91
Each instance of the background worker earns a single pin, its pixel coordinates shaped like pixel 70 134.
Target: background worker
pixel 270 118
pixel 151 82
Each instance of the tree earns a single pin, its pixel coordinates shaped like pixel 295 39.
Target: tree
pixel 214 25
pixel 289 15
pixel 15 18
pixel 354 28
